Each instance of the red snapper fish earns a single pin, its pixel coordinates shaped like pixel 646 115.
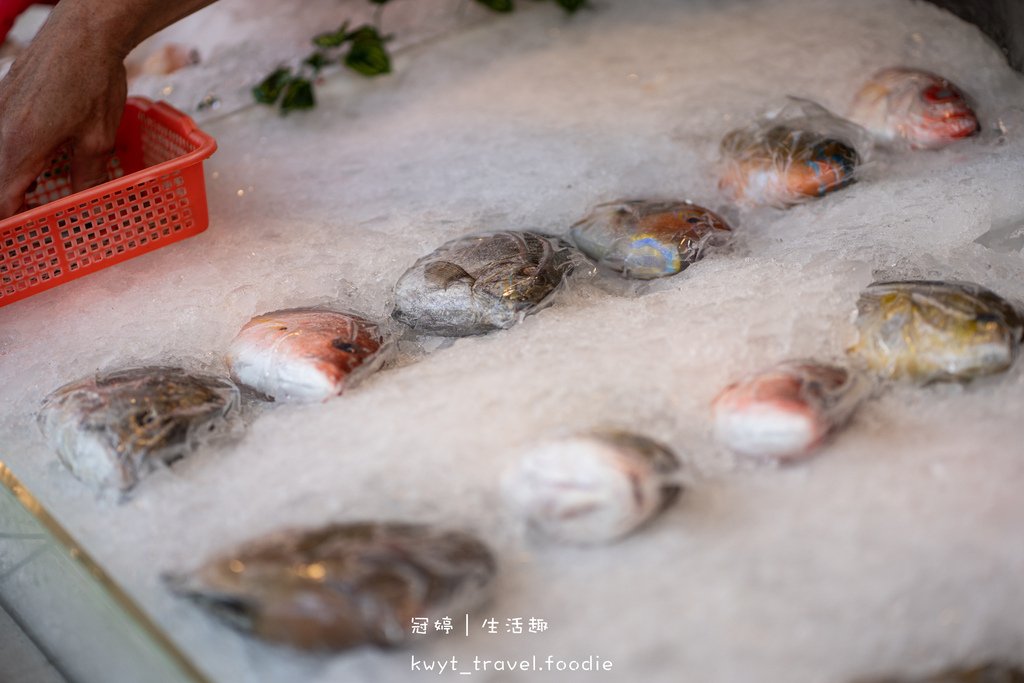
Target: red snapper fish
pixel 785 412
pixel 918 108
pixel 304 354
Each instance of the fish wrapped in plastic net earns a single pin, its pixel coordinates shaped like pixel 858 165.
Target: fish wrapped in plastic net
pixel 342 585
pixel 785 412
pixel 480 283
pixel 592 488
pixel 914 108
pixel 112 429
pixel 792 155
pixel 929 331
pixel 987 673
pixel 645 239
pixel 305 354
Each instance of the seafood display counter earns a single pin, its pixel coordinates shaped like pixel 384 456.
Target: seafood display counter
pixel 661 341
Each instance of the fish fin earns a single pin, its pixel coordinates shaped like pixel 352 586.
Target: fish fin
pixel 445 273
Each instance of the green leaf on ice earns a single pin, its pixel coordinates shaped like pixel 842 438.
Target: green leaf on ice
pixel 317 61
pixel 367 55
pixel 332 38
pixel 298 95
pixel 270 88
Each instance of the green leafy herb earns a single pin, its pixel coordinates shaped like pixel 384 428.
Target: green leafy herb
pixel 367 55
pixel 269 89
pixel 332 38
pixel 498 5
pixel 317 61
pixel 298 95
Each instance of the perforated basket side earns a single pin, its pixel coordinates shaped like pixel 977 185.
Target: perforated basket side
pixel 160 199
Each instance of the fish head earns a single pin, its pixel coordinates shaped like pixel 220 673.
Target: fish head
pixel 277 597
pixel 782 165
pixel 341 585
pixel 670 238
pixel 310 347
pixel 940 114
pixel 111 429
pixel 936 330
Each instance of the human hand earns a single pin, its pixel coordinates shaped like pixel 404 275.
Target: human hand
pixel 68 87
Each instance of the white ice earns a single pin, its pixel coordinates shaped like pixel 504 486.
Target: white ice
pixel 897 549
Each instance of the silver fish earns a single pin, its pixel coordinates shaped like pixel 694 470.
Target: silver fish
pixel 476 284
pixel 645 239
pixel 343 585
pixel 112 429
pixel 592 488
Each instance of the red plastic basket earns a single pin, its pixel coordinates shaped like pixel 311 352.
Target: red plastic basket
pixel 157 196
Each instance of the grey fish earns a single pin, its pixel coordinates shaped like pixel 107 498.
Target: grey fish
pixel 476 284
pixel 112 429
pixel 343 585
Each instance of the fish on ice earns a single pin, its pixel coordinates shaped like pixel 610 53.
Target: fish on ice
pixel 305 354
pixel 342 585
pixel 917 108
pixel 592 488
pixel 931 330
pixel 112 429
pixel 480 283
pixel 645 239
pixel 791 156
pixel 784 413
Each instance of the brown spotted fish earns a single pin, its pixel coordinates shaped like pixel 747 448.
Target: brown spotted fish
pixel 929 331
pixel 342 585
pixel 112 429
pixel 476 284
pixel 645 239
pixel 304 354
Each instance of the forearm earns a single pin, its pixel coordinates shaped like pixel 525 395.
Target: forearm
pixel 117 26
pixel 68 88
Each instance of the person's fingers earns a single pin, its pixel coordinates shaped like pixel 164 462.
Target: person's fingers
pixel 17 178
pixel 12 198
pixel 88 169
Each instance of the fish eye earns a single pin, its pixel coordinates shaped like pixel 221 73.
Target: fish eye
pixel 987 318
pixel 693 219
pixel 345 346
pixel 939 93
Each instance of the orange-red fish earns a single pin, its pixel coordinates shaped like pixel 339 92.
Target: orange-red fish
pixel 303 354
pixel 919 108
pixel 787 411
